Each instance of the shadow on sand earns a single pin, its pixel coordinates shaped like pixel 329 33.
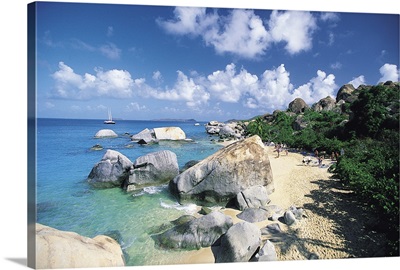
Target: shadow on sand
pixel 352 220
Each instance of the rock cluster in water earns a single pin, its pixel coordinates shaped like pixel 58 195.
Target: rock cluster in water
pixel 149 136
pixel 116 170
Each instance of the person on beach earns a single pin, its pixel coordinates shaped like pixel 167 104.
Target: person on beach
pixel 278 149
pixel 316 153
pixel 320 159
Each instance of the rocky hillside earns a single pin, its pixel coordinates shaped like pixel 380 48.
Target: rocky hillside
pixel 297 111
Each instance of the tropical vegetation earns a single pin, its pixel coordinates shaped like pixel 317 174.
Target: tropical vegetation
pixel 367 130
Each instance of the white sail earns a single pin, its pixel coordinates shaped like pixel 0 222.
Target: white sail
pixel 109 121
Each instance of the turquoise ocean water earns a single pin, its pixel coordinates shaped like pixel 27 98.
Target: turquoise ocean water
pixel 66 201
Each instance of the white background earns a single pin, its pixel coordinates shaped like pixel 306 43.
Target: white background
pixel 13 143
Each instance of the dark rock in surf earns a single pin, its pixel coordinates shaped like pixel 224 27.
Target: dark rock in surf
pixel 111 171
pixel 152 169
pixel 197 233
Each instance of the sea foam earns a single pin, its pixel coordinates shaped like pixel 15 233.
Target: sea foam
pixel 188 208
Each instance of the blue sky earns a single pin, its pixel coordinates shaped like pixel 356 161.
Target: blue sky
pixel 150 62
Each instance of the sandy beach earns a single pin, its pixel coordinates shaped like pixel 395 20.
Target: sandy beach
pixel 335 225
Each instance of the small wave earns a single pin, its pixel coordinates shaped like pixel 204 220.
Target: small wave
pixel 153 189
pixel 188 208
pixel 129 242
pixel 149 190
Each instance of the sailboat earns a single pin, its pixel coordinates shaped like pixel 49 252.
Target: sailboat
pixel 109 121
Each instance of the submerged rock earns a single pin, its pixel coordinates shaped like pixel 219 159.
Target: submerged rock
pixel 96 147
pixel 62 249
pixel 221 176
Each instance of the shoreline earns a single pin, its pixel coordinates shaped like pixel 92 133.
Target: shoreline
pixel 334 222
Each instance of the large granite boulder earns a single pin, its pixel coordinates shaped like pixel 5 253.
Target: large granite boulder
pixel 163 133
pixel 325 104
pixel 298 105
pixel 62 249
pixel 253 197
pixel 239 244
pixel 253 215
pixel 227 132
pixel 221 176
pixel 152 169
pixel 267 253
pixel 105 133
pixel 169 133
pixel 197 233
pixel 345 92
pixel 111 171
pixel 147 135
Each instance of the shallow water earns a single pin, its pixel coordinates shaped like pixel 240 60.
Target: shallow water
pixel 65 201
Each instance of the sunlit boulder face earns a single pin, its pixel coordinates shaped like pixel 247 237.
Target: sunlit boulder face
pixel 105 133
pixel 298 105
pixel 221 176
pixel 325 104
pixel 169 133
pixel 345 92
pixel 62 249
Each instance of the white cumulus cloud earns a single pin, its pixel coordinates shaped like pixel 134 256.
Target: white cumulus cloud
pixel 356 82
pixel 293 27
pixel 157 77
pixel 111 83
pixel 228 85
pixel 273 90
pixel 317 88
pixel 189 20
pixel 242 32
pixel 185 89
pixel 389 72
